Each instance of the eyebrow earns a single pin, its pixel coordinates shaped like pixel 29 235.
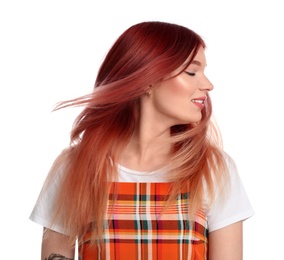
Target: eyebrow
pixel 196 62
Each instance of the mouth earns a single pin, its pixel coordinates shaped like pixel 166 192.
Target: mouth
pixel 200 102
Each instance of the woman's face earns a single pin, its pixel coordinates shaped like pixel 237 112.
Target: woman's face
pixel 180 99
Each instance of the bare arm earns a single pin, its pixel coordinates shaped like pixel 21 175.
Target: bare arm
pixel 227 243
pixel 56 246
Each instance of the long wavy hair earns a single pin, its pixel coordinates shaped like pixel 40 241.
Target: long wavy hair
pixel 143 54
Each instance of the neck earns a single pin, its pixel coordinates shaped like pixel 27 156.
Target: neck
pixel 149 147
pixel 146 150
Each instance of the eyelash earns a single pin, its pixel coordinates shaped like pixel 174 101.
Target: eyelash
pixel 190 73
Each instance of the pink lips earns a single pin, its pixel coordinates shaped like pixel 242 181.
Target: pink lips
pixel 200 102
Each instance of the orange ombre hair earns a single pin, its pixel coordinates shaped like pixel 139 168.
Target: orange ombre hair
pixel 143 54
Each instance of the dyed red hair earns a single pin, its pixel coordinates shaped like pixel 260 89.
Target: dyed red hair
pixel 145 53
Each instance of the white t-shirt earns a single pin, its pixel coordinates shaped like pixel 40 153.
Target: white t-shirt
pixel 236 208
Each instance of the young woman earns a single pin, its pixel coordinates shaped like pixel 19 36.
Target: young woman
pixel 145 176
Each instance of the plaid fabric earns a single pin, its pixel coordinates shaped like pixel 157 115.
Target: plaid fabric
pixel 139 229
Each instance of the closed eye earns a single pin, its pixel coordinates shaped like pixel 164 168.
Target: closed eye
pixel 190 73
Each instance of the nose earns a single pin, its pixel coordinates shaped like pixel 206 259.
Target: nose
pixel 206 84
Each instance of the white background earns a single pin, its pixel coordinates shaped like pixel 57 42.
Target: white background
pixel 50 51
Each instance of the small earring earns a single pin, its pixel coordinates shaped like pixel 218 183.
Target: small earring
pixel 148 91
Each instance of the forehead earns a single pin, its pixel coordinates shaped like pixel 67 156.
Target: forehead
pixel 201 54
pixel 200 58
pixel 199 61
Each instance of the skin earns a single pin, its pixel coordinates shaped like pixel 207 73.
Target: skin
pixel 167 103
pixel 171 101
pixel 55 246
pixel 227 243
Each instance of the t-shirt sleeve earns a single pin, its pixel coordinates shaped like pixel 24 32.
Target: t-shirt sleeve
pixel 43 211
pixel 234 207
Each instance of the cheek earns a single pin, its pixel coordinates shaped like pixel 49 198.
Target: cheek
pixel 169 91
pixel 174 90
pixel 180 86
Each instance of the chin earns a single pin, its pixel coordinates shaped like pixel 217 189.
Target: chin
pixel 189 121
pixel 193 120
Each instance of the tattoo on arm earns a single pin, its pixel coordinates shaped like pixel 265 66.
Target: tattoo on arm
pixel 57 257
